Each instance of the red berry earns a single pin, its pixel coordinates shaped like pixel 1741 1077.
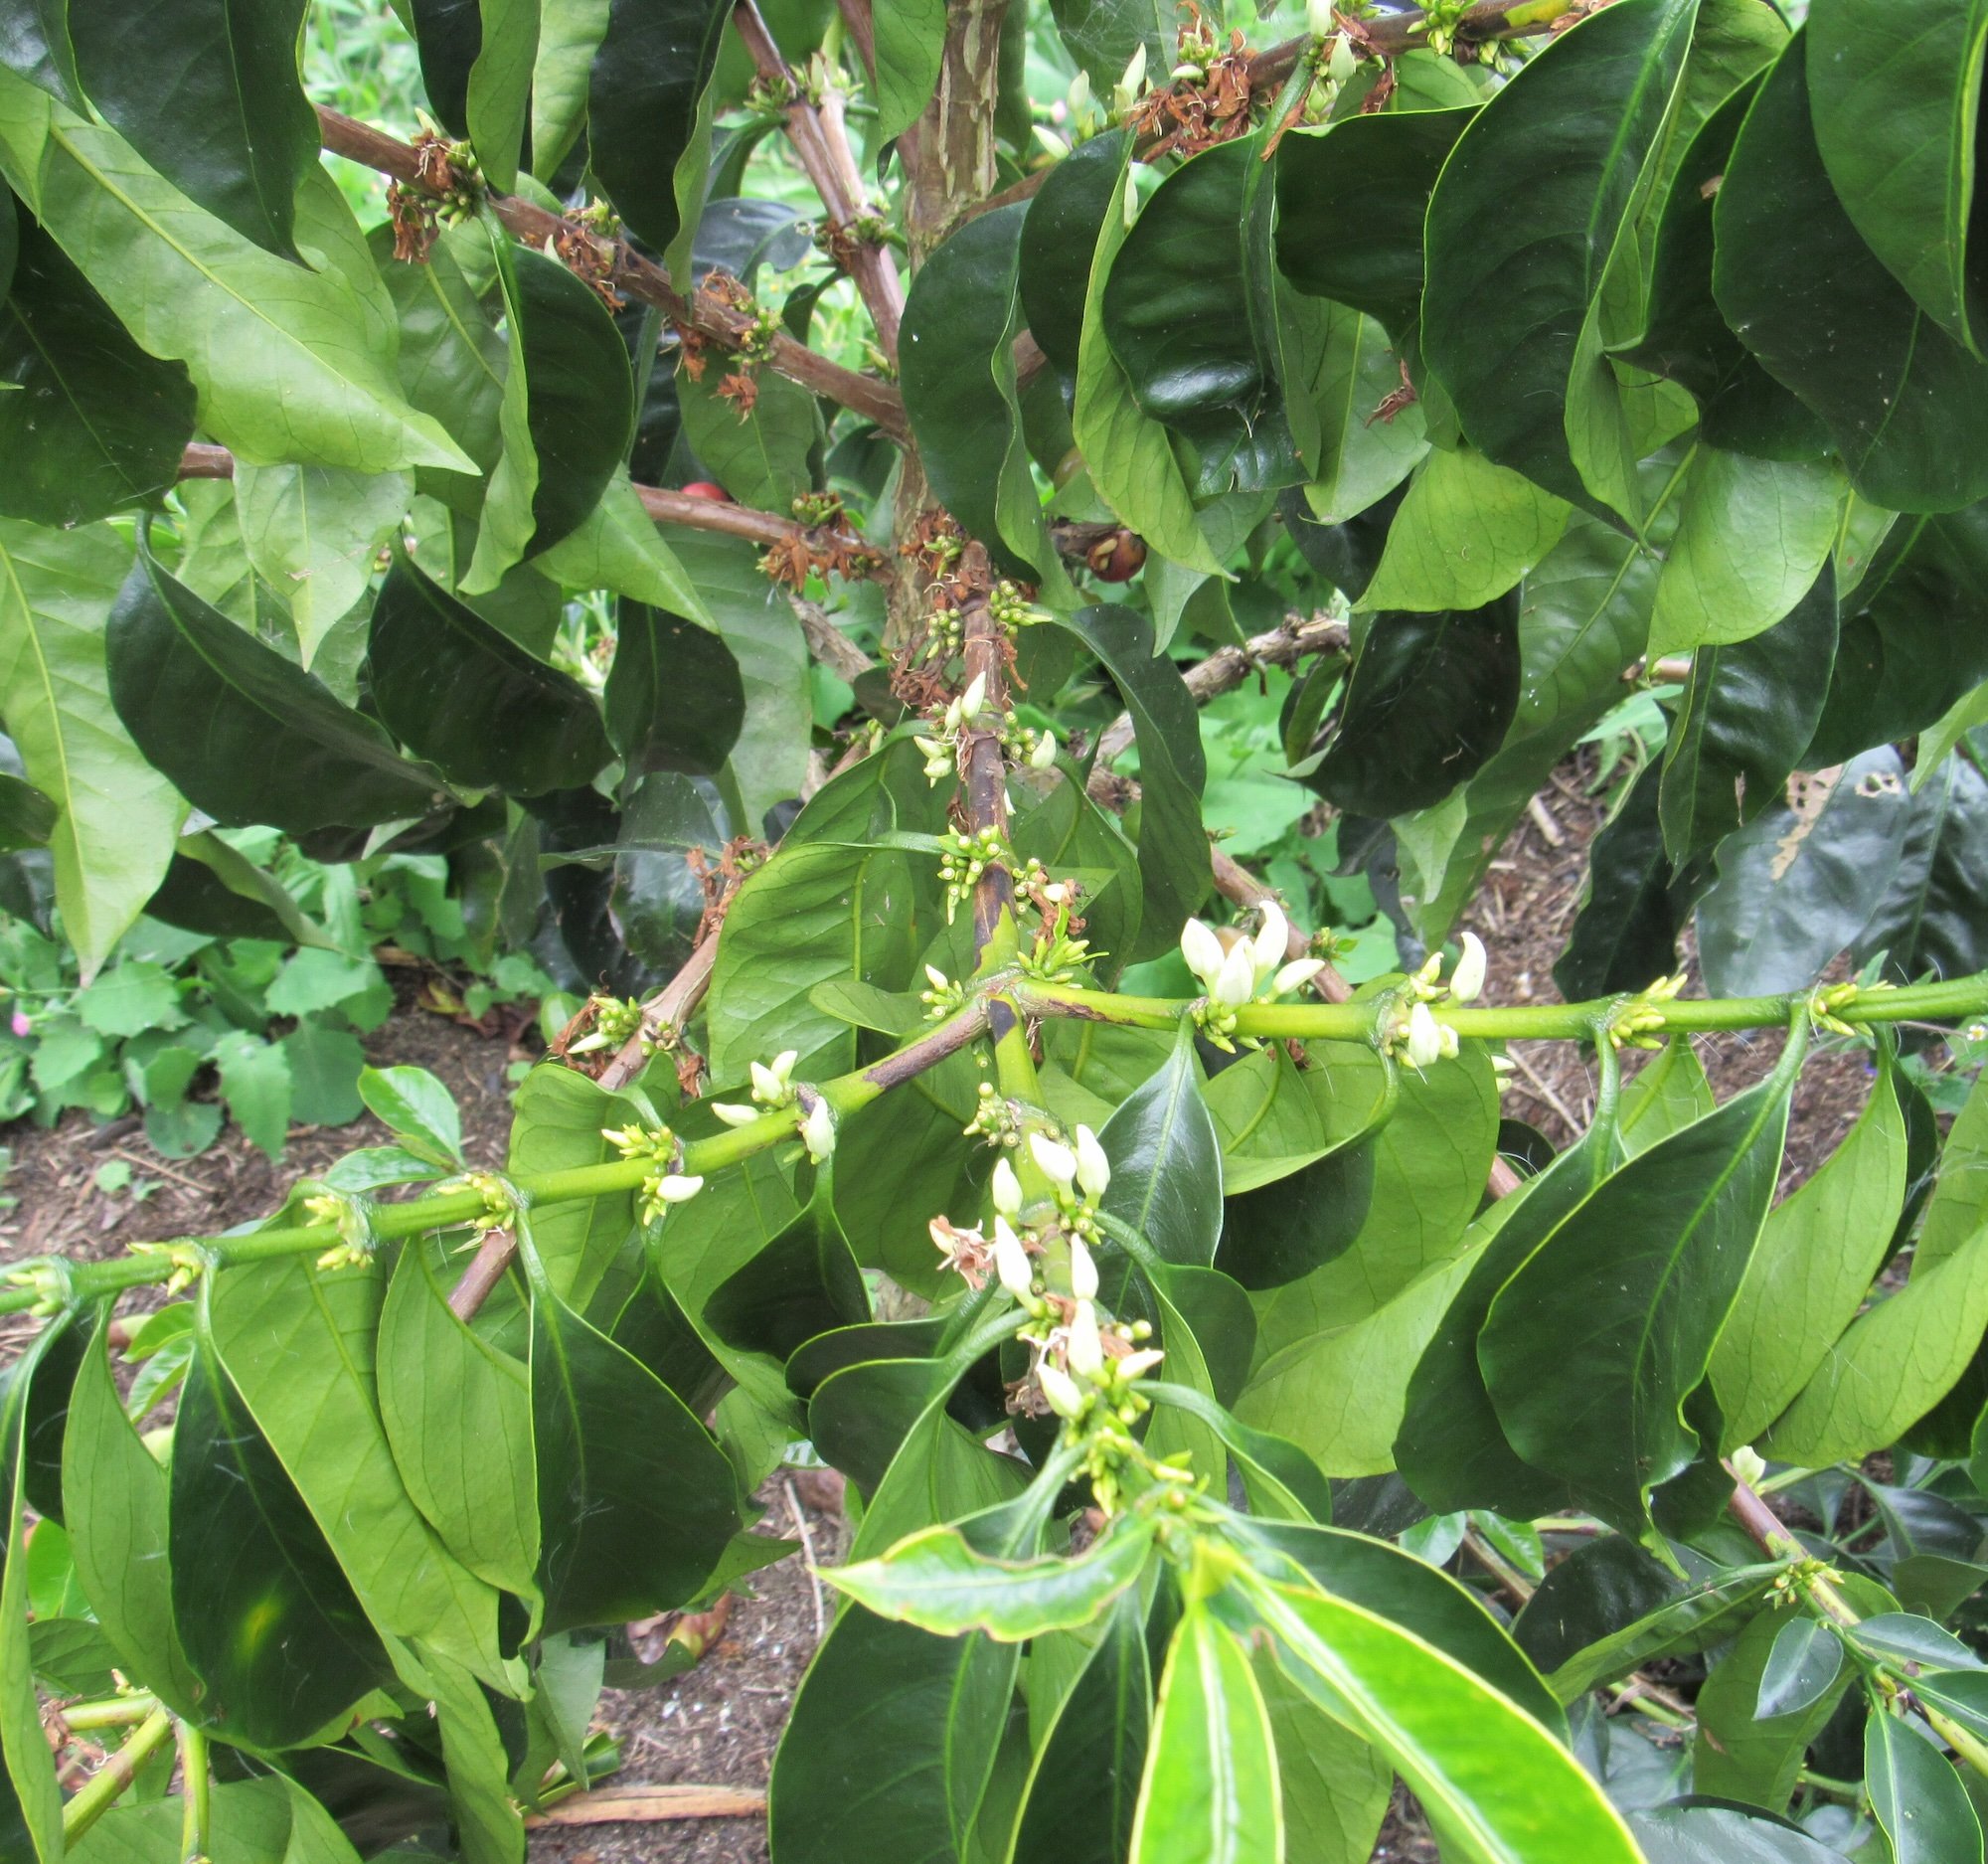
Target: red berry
pixel 704 488
pixel 1116 559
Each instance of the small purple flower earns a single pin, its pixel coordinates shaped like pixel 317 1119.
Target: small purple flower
pixel 21 1025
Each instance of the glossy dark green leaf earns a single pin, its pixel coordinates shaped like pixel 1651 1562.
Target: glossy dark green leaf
pixel 1059 239
pixel 1351 203
pixel 1166 1164
pixel 1928 919
pixel 266 1616
pixel 764 455
pixel 957 368
pixel 910 48
pixel 1685 338
pixel 566 418
pixel 1803 1662
pixel 1104 36
pixel 1191 311
pixel 1429 700
pixel 447 36
pixel 649 73
pixel 245 734
pixel 1960 1694
pixel 805 1281
pixel 33 41
pixel 1750 1748
pixel 1281 1231
pixel 211 98
pixel 1514 279
pixel 1898 122
pixel 467 698
pixel 27 816
pixel 1083 1783
pixel 31 1803
pixel 1901 399
pixel 1917 1796
pixel 97 425
pixel 1451 1450
pixel 1173 853
pixel 1797 885
pixel 1625 936
pixel 1747 715
pixel 1281 1480
pixel 674 700
pixel 636 1501
pixel 1591 1348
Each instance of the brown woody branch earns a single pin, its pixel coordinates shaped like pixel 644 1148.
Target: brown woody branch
pixel 628 271
pixel 820 136
pixel 1389 35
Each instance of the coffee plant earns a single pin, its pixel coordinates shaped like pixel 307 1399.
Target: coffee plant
pixel 1237 1414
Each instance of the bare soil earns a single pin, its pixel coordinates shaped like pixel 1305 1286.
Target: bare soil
pixel 719 1724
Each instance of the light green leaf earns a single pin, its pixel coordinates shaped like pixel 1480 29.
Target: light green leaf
pixel 1959 1206
pixel 559 1127
pixel 1364 451
pixel 910 43
pixel 500 86
pixel 761 454
pixel 619 548
pixel 1467 532
pixel 312 532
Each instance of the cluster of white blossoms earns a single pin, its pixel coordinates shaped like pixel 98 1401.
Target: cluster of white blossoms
pixel 1251 969
pixel 774 1091
pixel 963 713
pixel 666 1184
pixel 1414 1034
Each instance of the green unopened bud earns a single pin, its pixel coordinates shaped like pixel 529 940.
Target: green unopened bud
pixel 1044 755
pixel 1747 1466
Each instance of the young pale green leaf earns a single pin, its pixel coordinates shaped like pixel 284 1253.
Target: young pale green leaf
pixel 652 66
pixel 209 96
pixel 1593 1347
pixel 1128 455
pixel 1512 277
pixel 636 1501
pixel 268 1617
pixel 617 547
pixel 1335 1785
pixel 1748 711
pixel 1917 1796
pixel 940 1583
pixel 1466 533
pixel 1431 697
pixel 1897 117
pixel 1908 1637
pixel 300 1345
pixel 97 426
pixel 1282 1482
pixel 312 532
pixel 1812 1269
pixel 116 813
pixel 1083 1789
pixel 461 694
pixel 1210 1793
pixel 1903 403
pixel 1762 1705
pixel 1752 538
pixel 458 1415
pixel 191 289
pixel 1495 1783
pixel 417 1109
pixel 245 734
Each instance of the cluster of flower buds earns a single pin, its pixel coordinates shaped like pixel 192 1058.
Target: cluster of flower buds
pixel 1828 999
pixel 944 996
pixel 1414 1035
pixel 666 1183
pixel 1198 49
pixel 1056 956
pixel 966 857
pixel 1638 1022
pixel 994 1116
pixel 1247 969
pixel 352 1218
pixel 188 1263
pixel 960 714
pixel 774 1091
pixel 616 1020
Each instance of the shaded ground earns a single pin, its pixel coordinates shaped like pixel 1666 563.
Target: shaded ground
pixel 719 1725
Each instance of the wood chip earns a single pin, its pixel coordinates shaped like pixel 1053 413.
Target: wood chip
pixel 648 1804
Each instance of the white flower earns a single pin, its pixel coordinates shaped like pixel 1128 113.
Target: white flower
pixel 1042 757
pixel 735 1113
pixel 1058 1161
pixel 1065 1395
pixel 1086 1348
pixel 674 1188
pixel 1082 1271
pixel 1203 951
pixel 1469 978
pixel 818 1130
pixel 1272 943
pixel 1425 1047
pixel 1296 975
pixel 1011 1261
pixel 1134 1364
pixel 1235 984
pixel 1007 1189
pixel 1093 1169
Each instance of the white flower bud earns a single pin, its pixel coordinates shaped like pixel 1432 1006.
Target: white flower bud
pixel 974 697
pixel 1007 1189
pixel 937 978
pixel 1237 982
pixel 1093 1169
pixel 784 1065
pixel 1203 951
pixel 931 747
pixel 1341 63
pixel 1126 92
pixel 1469 978
pixel 1318 18
pixel 1133 1365
pixel 1271 943
pixel 735 1113
pixel 675 1188
pixel 1424 1046
pixel 1296 975
pixel 1042 757
pixel 1011 1261
pixel 1082 1271
pixel 1747 1466
pixel 766 1084
pixel 1080 93
pixel 1086 1349
pixel 818 1131
pixel 1065 1395
pixel 1449 1043
pixel 1058 1161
